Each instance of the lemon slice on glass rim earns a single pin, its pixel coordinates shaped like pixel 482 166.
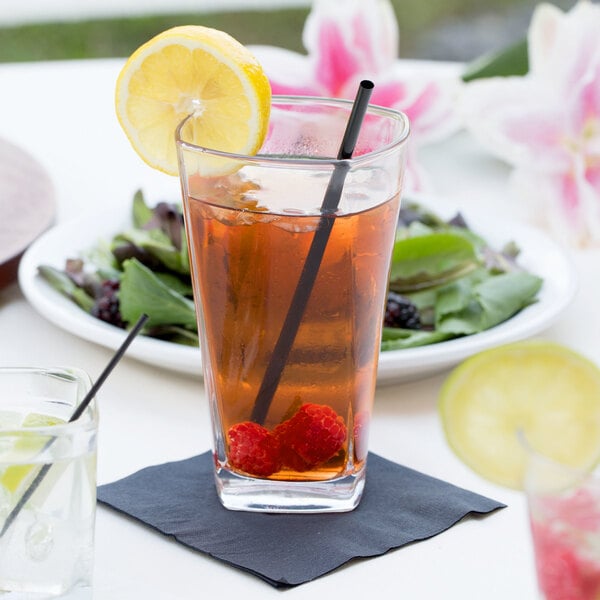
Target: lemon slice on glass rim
pixel 537 390
pixel 192 70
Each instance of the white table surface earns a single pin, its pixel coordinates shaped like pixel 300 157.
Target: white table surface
pixel 62 113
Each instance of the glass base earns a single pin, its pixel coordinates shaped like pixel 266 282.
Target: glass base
pixel 237 492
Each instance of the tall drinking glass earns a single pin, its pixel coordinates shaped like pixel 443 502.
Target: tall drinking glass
pixel 290 298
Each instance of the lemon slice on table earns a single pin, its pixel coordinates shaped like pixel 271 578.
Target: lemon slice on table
pixel 27 446
pixel 192 70
pixel 548 392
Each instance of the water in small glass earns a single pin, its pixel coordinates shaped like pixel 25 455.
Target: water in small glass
pixel 47 550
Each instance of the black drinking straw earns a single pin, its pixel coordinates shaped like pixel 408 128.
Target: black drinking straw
pixel 305 284
pixel 76 414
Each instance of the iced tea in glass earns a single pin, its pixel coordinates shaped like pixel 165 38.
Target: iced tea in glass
pixel 291 419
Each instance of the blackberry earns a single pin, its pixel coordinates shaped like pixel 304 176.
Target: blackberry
pixel 401 312
pixel 106 307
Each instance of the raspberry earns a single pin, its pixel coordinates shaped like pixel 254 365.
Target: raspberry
pixel 253 449
pixel 311 437
pixel 288 455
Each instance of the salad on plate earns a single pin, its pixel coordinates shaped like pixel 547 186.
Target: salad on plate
pixel 446 281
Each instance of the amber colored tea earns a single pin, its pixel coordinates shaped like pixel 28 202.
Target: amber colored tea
pixel 290 390
pixel 246 267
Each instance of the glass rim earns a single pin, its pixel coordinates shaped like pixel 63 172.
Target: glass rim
pixel 265 159
pixel 56 430
pixel 567 476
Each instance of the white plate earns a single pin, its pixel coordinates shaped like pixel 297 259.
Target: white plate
pixel 539 254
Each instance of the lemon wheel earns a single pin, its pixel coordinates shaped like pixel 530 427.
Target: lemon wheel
pixel 548 392
pixel 192 70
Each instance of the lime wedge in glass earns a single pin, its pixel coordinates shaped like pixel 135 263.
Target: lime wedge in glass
pixel 15 476
pixel 544 390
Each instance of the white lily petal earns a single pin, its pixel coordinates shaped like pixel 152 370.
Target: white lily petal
pixel 575 49
pixel 582 108
pixel 368 30
pixel 288 72
pixel 516 120
pixel 592 146
pixel 416 178
pixel 543 202
pixel 434 116
pixel 584 220
pixel 542 34
pixel 431 106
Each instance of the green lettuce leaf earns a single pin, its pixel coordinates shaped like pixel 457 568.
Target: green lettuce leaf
pixel 141 213
pixel 175 334
pixel 102 258
pixel 393 338
pixel 175 283
pixel 158 244
pixel 490 301
pixel 429 260
pixel 61 282
pixel 142 291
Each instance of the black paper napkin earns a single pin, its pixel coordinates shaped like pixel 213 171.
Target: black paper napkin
pixel 399 506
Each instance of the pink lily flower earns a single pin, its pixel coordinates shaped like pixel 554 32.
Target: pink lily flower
pixel 547 123
pixel 351 40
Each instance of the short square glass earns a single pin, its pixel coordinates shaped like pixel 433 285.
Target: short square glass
pixel 46 543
